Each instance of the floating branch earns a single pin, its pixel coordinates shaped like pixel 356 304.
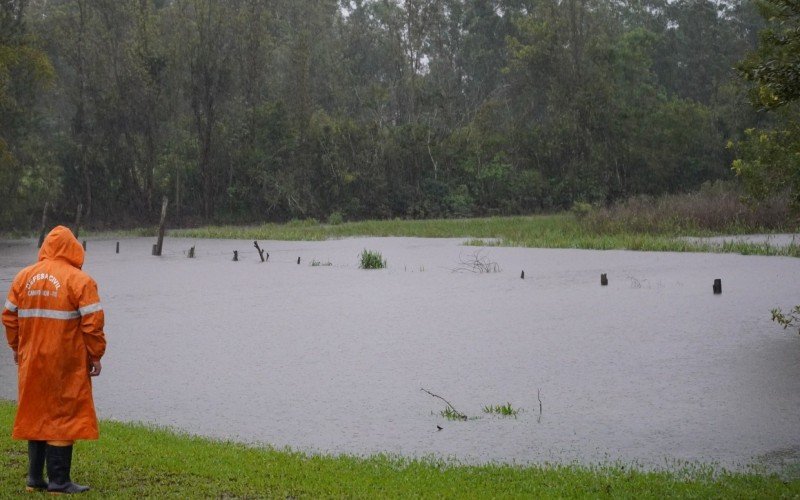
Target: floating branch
pixel 457 413
pixel 476 263
pixel 539 397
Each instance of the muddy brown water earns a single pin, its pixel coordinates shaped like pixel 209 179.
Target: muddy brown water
pixel 653 369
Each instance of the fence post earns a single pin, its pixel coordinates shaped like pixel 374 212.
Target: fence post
pixel 77 228
pixel 44 224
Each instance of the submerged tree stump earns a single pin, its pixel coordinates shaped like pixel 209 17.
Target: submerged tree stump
pixel 260 251
pixel 160 243
pixel 603 280
pixel 118 247
pixel 236 256
pixel 717 286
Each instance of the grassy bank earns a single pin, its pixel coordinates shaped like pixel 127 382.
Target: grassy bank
pixel 132 461
pixel 541 231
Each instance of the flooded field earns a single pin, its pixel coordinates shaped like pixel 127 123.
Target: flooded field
pixel 653 368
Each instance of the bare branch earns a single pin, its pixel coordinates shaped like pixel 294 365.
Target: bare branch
pixel 476 263
pixel 458 413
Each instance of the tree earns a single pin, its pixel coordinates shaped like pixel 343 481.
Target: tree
pixel 25 72
pixel 769 159
pixel 774 67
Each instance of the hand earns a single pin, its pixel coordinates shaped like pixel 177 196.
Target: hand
pixel 94 368
pixel 16 357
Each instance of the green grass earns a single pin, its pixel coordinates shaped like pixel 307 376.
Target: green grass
pixel 541 231
pixel 452 414
pixel 371 259
pixel 505 410
pixel 133 461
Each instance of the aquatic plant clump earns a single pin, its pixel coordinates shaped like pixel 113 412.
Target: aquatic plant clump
pixel 371 259
pixel 505 410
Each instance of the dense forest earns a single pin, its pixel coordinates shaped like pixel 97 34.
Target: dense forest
pixel 248 110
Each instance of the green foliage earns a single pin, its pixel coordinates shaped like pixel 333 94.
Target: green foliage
pixel 790 319
pixel 505 410
pixel 653 230
pixel 371 259
pixel 581 209
pixel 774 67
pixel 451 413
pixel 335 218
pixel 253 111
pixel 767 160
pixel 28 176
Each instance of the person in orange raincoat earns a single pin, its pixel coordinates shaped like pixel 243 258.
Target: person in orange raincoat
pixel 54 325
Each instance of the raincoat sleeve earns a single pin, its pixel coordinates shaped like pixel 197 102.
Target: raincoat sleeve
pixel 11 319
pixel 92 320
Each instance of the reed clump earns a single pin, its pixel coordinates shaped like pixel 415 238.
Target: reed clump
pixel 716 207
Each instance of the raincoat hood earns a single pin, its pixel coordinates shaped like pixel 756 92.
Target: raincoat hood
pixel 61 244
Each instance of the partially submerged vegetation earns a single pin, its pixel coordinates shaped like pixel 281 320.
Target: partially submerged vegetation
pixel 134 461
pixel 640 223
pixel 371 259
pixel 505 410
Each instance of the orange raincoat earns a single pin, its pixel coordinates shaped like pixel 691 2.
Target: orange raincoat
pixel 54 321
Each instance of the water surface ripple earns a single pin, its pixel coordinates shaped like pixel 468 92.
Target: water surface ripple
pixel 652 369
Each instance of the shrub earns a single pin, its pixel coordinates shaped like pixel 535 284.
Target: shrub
pixel 372 260
pixel 581 209
pixel 335 218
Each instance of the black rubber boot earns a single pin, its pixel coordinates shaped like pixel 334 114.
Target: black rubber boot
pixel 37 450
pixel 59 463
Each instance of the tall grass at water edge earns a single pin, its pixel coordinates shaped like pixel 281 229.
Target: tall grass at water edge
pixel 538 231
pixel 135 461
pixel 639 223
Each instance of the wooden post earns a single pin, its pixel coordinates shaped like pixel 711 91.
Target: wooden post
pixel 298 261
pixel 717 286
pixel 160 244
pixel 191 253
pixel 523 274
pixel 155 247
pixel 178 193
pixel 77 228
pixel 603 280
pixel 260 251
pixel 118 247
pixel 236 256
pixel 44 224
